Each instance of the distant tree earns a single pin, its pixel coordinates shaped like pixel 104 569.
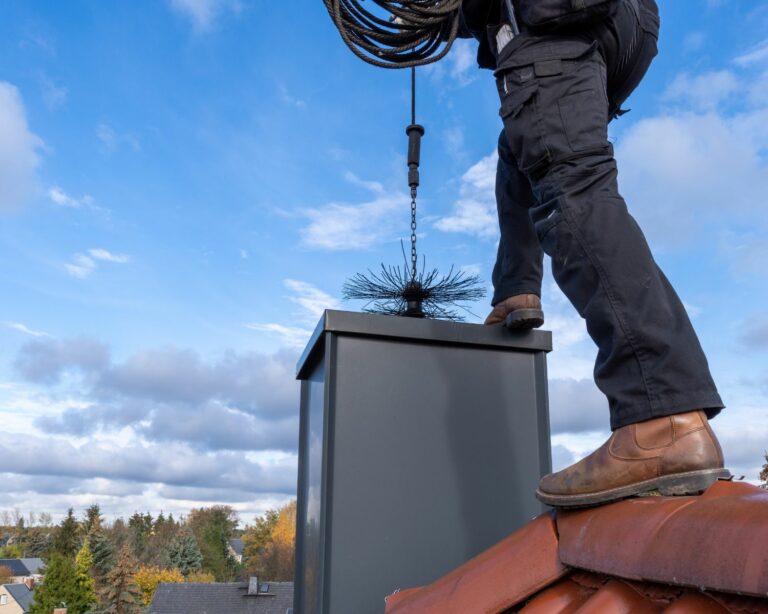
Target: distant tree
pixel 59 587
pixel 6 574
pixel 103 553
pixel 270 545
pixel 140 528
pixel 256 538
pixel 202 577
pixel 213 527
pixel 121 594
pixel 184 553
pixel 92 519
pixel 84 595
pixel 764 473
pixel 39 543
pixel 67 540
pixel 44 519
pixel 148 578
pixel 13 551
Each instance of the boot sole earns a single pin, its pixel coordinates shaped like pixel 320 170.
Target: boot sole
pixel 678 484
pixel 521 319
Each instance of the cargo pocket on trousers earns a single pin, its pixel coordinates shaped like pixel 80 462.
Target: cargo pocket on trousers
pixel 524 129
pixel 584 117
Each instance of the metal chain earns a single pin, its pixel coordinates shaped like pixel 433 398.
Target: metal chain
pixel 414 258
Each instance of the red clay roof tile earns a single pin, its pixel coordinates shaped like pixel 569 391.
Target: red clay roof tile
pixel 718 540
pixel 509 572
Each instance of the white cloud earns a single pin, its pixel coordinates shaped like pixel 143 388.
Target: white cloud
pixel 474 212
pixel 61 198
pixel 102 254
pixel 312 303
pixel 54 95
pixel 113 140
pixel 19 148
pixel 203 13
pixel 292 336
pixel 312 300
pixel 345 226
pixel 25 329
pixel 82 266
pixel 372 186
pixel 759 53
pixel 706 91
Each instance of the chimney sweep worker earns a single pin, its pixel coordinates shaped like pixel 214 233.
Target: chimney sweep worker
pixel 563 70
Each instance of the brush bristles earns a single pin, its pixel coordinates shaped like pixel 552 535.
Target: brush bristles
pixel 390 290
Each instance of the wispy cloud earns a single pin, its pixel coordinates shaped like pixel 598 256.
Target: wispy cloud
pixel 54 95
pixel 112 140
pixel 19 151
pixel 292 336
pixel 61 198
pixel 22 328
pixel 312 300
pixel 350 226
pixel 758 53
pixel 312 303
pixel 82 266
pixel 474 213
pixel 102 254
pixel 203 13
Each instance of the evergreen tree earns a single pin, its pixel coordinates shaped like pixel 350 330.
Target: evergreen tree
pixel 122 595
pixel 184 553
pixel 213 527
pixel 92 518
pixel 764 473
pixel 39 543
pixel 85 588
pixel 59 587
pixel 67 541
pixel 103 553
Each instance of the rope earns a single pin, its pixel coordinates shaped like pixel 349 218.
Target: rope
pixel 417 32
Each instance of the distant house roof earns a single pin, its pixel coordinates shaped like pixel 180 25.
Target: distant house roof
pixel 35 566
pixel 237 545
pixel 17 567
pixel 21 594
pixel 229 597
pixel 652 554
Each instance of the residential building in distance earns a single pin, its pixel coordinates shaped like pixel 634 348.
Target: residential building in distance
pixel 236 548
pixel 16 598
pixel 23 569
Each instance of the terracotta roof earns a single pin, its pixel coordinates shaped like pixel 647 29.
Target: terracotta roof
pixel 655 554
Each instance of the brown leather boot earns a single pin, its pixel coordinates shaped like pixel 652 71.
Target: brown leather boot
pixel 517 312
pixel 674 455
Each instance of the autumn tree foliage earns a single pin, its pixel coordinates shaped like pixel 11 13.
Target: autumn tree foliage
pixel 270 545
pixel 5 574
pixel 147 578
pixel 121 594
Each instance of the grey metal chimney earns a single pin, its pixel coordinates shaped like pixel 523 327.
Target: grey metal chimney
pixel 421 445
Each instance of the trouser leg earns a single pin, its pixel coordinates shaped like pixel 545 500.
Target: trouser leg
pixel 649 360
pixel 519 259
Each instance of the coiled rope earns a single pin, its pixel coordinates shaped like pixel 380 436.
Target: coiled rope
pixel 403 34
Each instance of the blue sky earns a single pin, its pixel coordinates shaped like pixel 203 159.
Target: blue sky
pixel 186 184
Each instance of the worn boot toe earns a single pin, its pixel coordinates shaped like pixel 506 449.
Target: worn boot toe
pixel 672 455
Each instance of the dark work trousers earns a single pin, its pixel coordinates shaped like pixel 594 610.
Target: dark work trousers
pixel 557 193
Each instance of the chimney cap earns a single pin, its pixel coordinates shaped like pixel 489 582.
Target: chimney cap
pixel 253 585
